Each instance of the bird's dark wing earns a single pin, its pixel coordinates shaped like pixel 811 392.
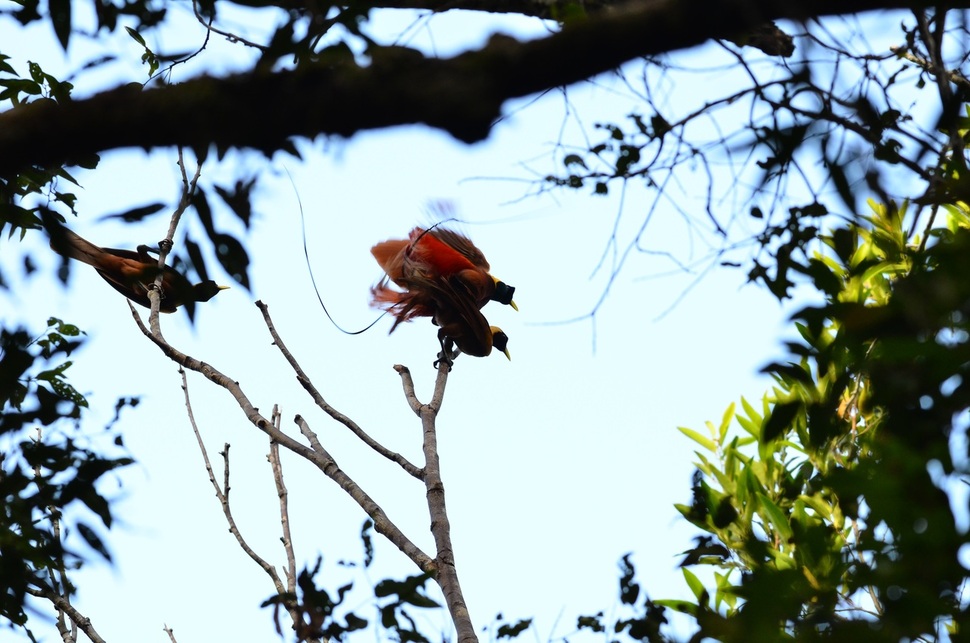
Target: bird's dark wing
pixel 457 313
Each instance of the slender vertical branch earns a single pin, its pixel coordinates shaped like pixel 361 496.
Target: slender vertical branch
pixel 222 493
pixel 165 246
pixel 447 576
pixel 286 539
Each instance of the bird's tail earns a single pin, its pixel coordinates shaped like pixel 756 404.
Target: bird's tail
pixel 390 257
pixel 68 244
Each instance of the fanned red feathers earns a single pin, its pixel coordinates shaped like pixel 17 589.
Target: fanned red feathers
pixel 443 276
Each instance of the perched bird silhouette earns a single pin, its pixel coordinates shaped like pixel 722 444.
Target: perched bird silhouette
pixel 443 275
pixel 132 273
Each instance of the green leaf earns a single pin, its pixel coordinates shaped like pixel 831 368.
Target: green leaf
pixel 68 392
pixel 136 36
pixel 678 606
pixel 506 631
pixel 776 517
pixel 707 443
pixel 726 421
pixel 696 586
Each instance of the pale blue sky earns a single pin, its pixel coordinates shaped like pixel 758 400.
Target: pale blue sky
pixel 555 464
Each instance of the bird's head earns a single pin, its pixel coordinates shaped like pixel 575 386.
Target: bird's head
pixel 206 290
pixel 500 341
pixel 503 293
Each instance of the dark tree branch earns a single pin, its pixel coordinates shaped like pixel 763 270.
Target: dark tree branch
pixel 550 9
pixel 461 95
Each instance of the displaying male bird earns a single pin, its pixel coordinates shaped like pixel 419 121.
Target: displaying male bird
pixel 132 273
pixel 426 256
pixel 445 277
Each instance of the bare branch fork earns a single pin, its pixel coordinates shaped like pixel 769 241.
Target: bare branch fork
pixel 441 567
pixel 222 493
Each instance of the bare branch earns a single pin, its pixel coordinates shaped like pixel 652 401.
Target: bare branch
pixel 408 383
pixel 318 399
pixel 171 634
pixel 286 539
pixel 323 462
pixel 382 523
pixel 447 576
pixel 223 493
pixel 64 605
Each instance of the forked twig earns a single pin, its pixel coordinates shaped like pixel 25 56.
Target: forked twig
pixel 382 523
pixel 222 493
pixel 325 406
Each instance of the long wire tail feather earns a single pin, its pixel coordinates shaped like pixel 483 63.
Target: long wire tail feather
pixel 313 280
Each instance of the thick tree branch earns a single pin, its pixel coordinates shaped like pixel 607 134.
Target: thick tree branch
pixel 546 9
pixel 461 95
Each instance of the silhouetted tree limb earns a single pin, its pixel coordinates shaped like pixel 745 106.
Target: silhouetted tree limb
pixel 462 95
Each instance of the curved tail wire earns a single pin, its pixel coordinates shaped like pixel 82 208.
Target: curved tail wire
pixel 316 290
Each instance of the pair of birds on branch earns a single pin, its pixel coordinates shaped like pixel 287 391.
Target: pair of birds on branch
pixel 440 273
pixel 444 276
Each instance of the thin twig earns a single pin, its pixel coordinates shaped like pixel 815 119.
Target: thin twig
pixel 408 384
pixel 171 634
pixel 325 406
pixel 296 613
pixel 222 493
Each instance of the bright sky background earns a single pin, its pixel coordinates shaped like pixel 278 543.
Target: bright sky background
pixel 555 464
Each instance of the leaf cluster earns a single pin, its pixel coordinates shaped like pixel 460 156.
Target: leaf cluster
pixel 831 514
pixel 44 477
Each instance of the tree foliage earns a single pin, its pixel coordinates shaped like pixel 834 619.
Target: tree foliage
pixel 832 510
pixel 834 513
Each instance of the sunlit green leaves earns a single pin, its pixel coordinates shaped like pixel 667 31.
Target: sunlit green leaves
pixel 793 494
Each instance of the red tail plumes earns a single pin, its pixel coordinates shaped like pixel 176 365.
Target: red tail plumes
pixel 442 275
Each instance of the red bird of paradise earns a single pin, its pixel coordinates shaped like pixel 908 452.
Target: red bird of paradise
pixel 132 273
pixel 443 276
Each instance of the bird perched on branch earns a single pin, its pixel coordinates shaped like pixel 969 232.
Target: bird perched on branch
pixel 132 273
pixel 445 277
